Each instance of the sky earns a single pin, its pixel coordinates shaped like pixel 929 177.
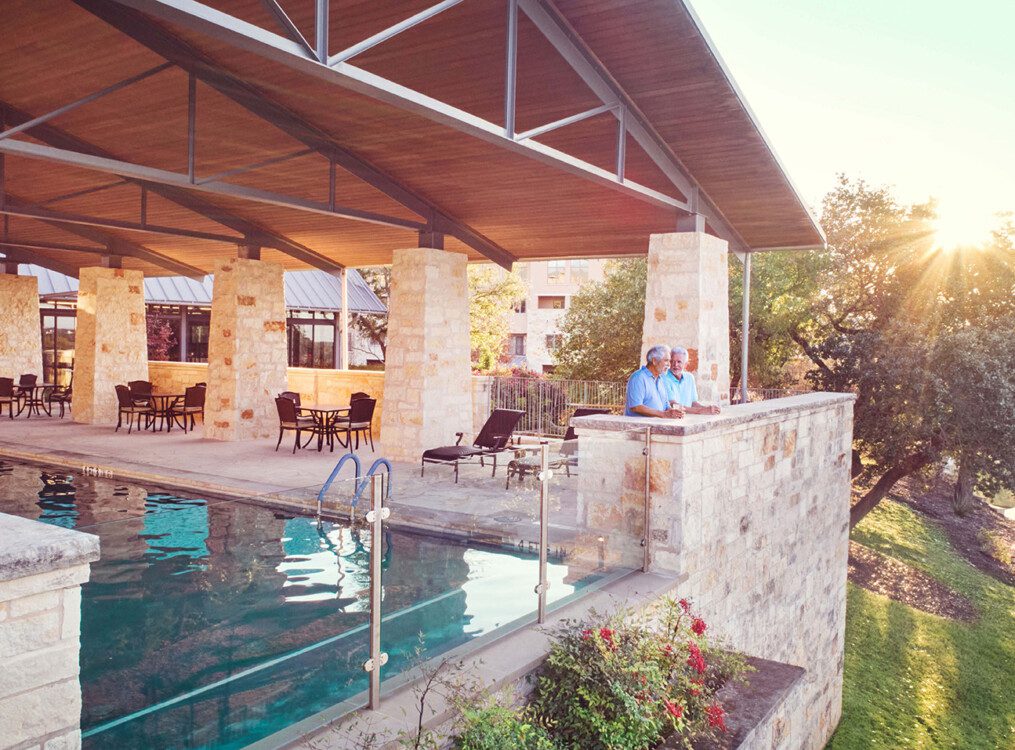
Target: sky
pixel 915 94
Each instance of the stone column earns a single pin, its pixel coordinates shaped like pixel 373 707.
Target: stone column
pixel 20 334
pixel 687 304
pixel 111 342
pixel 42 568
pixel 246 351
pixel 427 369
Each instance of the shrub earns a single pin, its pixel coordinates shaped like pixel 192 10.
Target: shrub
pixel 619 684
pixel 994 545
pixel 493 727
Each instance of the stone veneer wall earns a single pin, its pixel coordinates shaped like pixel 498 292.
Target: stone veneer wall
pixel 111 340
pixel 750 513
pixel 687 304
pixel 247 354
pixel 42 568
pixel 427 380
pixel 20 333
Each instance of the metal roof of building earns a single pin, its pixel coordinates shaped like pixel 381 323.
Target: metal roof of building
pixel 304 290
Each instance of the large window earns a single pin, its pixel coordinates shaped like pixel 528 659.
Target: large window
pixel 556 271
pixel 58 329
pixel 551 302
pixel 552 342
pixel 520 306
pixel 579 271
pixel 518 344
pixel 312 340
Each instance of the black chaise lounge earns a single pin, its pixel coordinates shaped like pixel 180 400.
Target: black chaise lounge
pixel 565 458
pixel 492 439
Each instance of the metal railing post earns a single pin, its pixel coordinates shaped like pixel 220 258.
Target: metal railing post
pixel 544 521
pixel 645 543
pixel 376 517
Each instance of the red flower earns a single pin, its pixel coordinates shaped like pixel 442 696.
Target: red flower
pixel 586 634
pixel 685 605
pixel 694 659
pixel 668 650
pixel 607 635
pixel 716 716
pixel 698 626
pixel 696 691
pixel 673 708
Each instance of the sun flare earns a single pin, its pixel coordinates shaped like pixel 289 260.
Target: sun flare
pixel 957 229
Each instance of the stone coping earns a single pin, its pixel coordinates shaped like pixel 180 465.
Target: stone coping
pixel 31 547
pixel 696 424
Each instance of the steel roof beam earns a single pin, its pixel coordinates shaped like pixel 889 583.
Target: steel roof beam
pixel 142 30
pixel 17 256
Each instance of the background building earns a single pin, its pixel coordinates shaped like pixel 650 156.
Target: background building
pixel 535 322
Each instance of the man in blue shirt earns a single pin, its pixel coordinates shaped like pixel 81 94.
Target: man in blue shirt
pixel 683 389
pixel 648 393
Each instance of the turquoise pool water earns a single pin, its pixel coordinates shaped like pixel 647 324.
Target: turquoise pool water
pixel 215 623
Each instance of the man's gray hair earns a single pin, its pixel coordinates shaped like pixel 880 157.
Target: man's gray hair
pixel 680 350
pixel 657 353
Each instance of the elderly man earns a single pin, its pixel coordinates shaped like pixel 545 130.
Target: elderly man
pixel 683 389
pixel 648 393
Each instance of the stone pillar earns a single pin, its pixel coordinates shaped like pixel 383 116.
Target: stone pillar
pixel 427 368
pixel 246 351
pixel 42 568
pixel 111 342
pixel 20 334
pixel 687 304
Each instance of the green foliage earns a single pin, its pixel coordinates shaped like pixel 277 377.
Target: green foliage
pixel 375 327
pixel 492 293
pixel 619 684
pixel 493 727
pixel 916 680
pixel 601 331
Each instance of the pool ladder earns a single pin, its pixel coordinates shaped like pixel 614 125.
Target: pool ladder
pixel 360 483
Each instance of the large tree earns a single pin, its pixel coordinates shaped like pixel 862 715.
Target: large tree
pixel 492 293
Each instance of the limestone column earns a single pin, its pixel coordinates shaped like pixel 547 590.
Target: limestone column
pixel 20 333
pixel 427 367
pixel 247 356
pixel 111 342
pixel 687 304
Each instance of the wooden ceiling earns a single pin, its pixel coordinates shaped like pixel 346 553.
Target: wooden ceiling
pixel 56 51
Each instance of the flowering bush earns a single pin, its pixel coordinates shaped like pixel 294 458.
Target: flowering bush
pixel 493 727
pixel 622 684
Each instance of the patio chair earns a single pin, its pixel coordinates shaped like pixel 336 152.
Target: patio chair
pixel 126 404
pixel 140 391
pixel 492 439
pixel 190 407
pixel 62 395
pixel 357 396
pixel 8 397
pixel 565 457
pixel 292 396
pixel 289 419
pixel 359 420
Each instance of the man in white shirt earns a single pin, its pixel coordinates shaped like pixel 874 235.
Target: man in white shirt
pixel 683 389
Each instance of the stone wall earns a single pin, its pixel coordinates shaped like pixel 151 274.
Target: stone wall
pixel 750 514
pixel 427 381
pixel 246 350
pixel 20 334
pixel 687 304
pixel 110 343
pixel 42 568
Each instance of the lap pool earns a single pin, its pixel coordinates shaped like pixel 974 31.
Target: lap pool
pixel 213 623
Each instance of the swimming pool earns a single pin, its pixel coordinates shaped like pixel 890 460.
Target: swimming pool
pixel 214 623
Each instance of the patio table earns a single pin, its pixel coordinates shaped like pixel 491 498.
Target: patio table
pixel 324 420
pixel 35 398
pixel 161 403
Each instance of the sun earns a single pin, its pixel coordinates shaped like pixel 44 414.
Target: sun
pixel 954 230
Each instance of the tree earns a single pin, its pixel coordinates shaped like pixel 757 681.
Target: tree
pixel 492 293
pixel 375 327
pixel 160 338
pixel 601 331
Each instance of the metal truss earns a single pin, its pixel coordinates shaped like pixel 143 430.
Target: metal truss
pixel 337 70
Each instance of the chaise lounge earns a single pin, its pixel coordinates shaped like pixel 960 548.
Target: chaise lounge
pixel 492 439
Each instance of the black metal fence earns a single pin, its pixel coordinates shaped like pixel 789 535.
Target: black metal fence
pixel 548 404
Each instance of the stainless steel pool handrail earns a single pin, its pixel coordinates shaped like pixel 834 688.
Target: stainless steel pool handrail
pixel 375 518
pixel 544 520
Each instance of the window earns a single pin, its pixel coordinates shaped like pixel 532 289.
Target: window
pixel 579 271
pixel 520 306
pixel 518 344
pixel 555 271
pixel 549 369
pixel 552 342
pixel 551 302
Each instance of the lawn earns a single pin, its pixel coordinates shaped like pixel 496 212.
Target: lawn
pixel 915 680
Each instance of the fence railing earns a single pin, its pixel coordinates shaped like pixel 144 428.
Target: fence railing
pixel 763 394
pixel 548 404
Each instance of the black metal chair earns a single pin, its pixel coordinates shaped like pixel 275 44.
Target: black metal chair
pixel 62 395
pixel 289 419
pixel 8 397
pixel 359 420
pixel 292 396
pixel 357 396
pixel 140 391
pixel 491 440
pixel 566 456
pixel 189 408
pixel 125 400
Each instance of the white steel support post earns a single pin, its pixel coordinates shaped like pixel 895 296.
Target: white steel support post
pixel 746 328
pixel 647 560
pixel 544 521
pixel 376 518
pixel 342 345
pixel 510 77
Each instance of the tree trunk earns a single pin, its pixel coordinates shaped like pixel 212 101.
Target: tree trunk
pixel 904 468
pixel 963 500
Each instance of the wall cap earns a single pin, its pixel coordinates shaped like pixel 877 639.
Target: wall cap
pixel 30 547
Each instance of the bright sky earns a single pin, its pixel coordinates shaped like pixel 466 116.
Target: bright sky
pixel 916 94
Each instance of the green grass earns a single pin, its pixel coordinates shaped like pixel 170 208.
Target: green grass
pixel 914 680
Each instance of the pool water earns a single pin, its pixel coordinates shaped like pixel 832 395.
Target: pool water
pixel 213 623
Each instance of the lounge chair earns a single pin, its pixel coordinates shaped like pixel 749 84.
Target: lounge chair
pixel 565 457
pixel 492 439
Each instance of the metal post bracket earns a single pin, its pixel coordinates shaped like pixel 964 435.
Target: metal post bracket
pixel 372 515
pixel 368 665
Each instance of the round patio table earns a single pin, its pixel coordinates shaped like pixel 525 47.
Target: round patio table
pixel 161 403
pixel 35 399
pixel 324 421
